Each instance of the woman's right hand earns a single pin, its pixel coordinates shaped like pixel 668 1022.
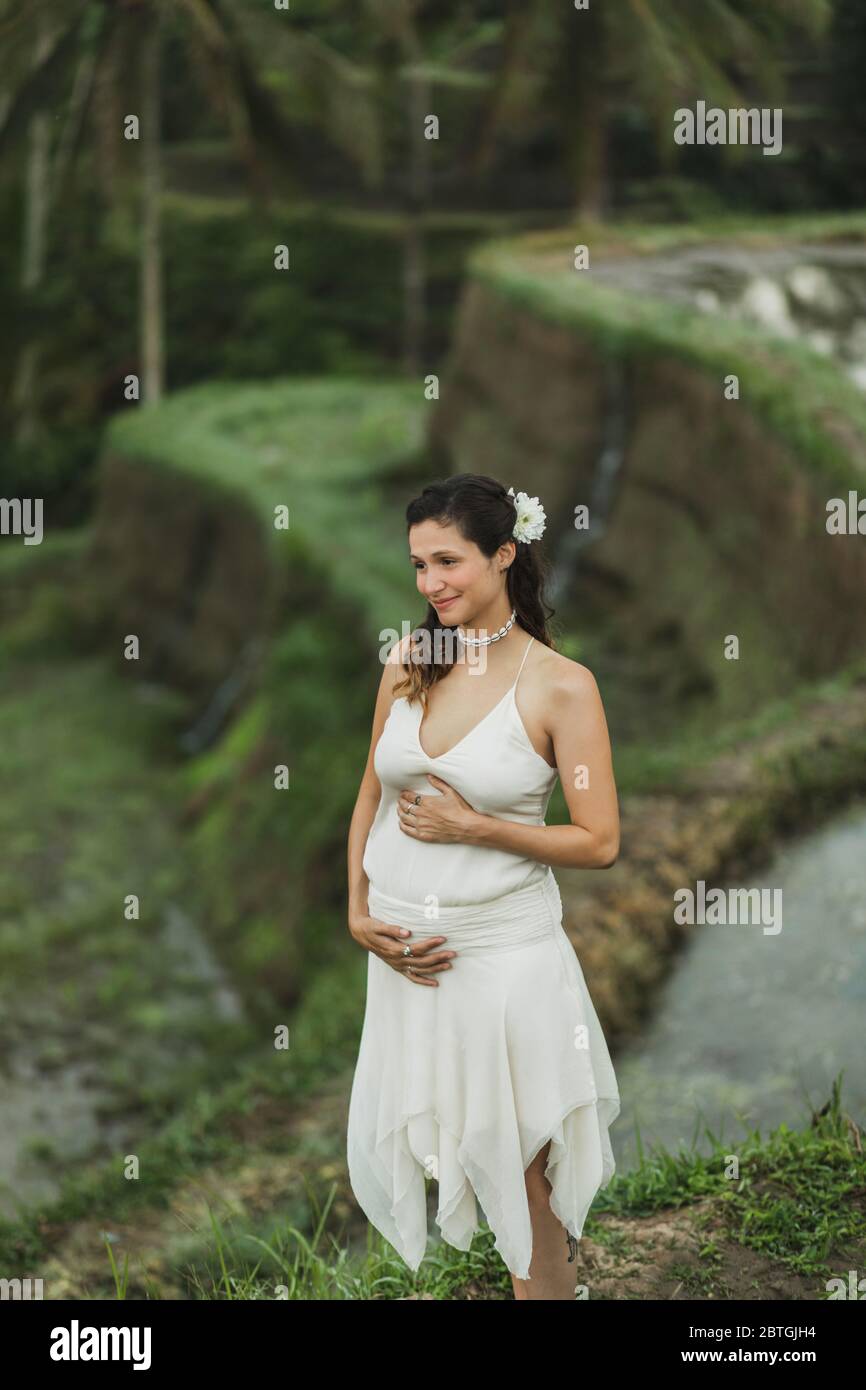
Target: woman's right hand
pixel 386 942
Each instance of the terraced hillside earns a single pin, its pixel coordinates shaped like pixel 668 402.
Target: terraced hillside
pixel 257 650
pixel 607 387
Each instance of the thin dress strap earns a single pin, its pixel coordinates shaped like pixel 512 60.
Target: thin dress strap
pixel 520 667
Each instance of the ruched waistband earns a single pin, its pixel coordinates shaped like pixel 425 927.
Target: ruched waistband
pixel 498 924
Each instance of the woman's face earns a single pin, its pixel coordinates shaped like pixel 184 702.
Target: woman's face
pixel 453 574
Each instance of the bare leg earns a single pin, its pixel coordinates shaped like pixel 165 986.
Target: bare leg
pixel 552 1274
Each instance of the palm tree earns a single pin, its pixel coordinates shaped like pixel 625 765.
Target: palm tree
pixel 848 57
pixel 396 22
pixel 33 249
pixel 410 41
pixel 658 51
pixel 100 50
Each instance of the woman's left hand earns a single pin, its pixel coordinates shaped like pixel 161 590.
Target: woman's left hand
pixel 447 818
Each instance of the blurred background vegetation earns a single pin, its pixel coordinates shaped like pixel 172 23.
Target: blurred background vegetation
pixel 300 127
pixel 239 275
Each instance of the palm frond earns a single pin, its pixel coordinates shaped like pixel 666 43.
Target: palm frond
pixel 812 16
pixel 322 87
pixel 518 77
pixel 23 24
pixel 40 83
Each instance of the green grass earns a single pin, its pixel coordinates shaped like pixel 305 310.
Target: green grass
pixel 792 1198
pixel 639 237
pixel 643 767
pixel 324 449
pixel 795 1197
pixel 92 825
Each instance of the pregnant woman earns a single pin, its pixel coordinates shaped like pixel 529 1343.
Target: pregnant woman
pixel 482 1064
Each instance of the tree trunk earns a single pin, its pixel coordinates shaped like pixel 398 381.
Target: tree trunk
pixel 414 260
pixel 591 159
pixel 151 308
pixel 417 199
pixel 25 403
pixel 580 86
pixel 478 155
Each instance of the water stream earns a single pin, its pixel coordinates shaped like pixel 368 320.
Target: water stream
pixel 751 1028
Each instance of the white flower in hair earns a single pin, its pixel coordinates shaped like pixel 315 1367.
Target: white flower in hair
pixel 531 518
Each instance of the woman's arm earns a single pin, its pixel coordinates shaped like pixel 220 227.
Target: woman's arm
pixel 578 728
pixel 567 846
pixel 384 939
pixel 369 794
pixel 363 816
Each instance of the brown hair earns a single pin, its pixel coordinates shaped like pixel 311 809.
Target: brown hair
pixel 484 513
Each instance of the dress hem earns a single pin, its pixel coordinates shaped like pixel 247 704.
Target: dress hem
pixel 484 1190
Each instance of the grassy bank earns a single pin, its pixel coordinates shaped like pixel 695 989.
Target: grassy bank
pixel 241 1144
pixel 242 1191
pixel 805 399
pixel 336 455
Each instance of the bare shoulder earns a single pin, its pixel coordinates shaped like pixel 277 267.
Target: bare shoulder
pixel 562 678
pixel 564 691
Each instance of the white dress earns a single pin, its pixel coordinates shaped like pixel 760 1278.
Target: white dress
pixel 467 1082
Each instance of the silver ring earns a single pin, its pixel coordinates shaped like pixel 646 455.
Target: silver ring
pixel 418 799
pixel 407 950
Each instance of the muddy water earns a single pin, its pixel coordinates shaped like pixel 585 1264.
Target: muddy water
pixel 751 1027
